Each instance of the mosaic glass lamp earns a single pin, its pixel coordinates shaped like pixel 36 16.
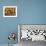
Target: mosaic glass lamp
pixel 11 37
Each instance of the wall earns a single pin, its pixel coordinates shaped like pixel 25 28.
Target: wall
pixel 29 12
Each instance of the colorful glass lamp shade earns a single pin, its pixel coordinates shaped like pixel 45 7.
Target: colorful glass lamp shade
pixel 12 36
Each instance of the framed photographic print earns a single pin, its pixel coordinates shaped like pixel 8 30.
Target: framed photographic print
pixel 9 11
pixel 33 32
